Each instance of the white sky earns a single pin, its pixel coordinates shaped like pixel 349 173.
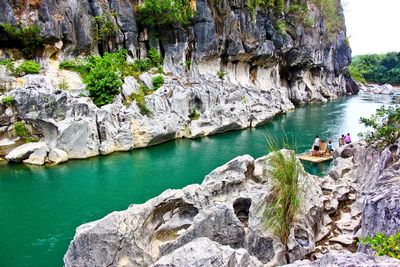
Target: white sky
pixel 373 26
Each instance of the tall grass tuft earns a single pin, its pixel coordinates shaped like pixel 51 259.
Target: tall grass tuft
pixel 284 200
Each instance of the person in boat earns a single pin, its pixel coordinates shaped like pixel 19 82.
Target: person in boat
pixel 330 147
pixel 347 139
pixel 323 148
pixel 341 140
pixel 316 146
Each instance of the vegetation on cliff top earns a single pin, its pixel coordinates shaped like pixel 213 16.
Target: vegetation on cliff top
pixel 159 15
pixel 103 75
pixel 28 39
pixel 383 68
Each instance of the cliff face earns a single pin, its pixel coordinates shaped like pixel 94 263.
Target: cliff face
pixel 269 69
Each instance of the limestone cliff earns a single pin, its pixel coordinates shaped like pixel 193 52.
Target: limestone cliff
pixel 269 69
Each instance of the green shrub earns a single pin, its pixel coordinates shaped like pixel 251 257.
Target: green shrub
pixel 155 58
pixel 20 129
pixel 159 15
pixel 7 100
pixel 104 78
pixel 280 25
pixel 105 27
pixel 28 39
pixel 27 67
pixel 142 65
pixel 157 81
pixel 221 74
pixel 384 245
pixel 195 114
pixel 385 124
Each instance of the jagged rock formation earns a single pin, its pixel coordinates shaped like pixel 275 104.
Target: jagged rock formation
pixel 268 72
pixel 226 208
pixel 359 197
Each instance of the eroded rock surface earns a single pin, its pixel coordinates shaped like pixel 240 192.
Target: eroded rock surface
pixel 225 210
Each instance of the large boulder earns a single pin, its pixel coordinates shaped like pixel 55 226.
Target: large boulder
pixel 24 151
pixel 57 156
pixel 203 252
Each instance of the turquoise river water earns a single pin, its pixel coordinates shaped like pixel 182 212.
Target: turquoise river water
pixel 40 207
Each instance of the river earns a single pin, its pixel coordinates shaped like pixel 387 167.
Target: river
pixel 40 207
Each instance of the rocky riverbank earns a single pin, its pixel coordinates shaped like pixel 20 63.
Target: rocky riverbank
pixel 220 222
pixel 264 70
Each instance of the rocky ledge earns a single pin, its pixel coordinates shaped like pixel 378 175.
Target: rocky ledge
pixel 220 222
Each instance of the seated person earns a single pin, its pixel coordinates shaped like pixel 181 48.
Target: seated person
pixel 330 147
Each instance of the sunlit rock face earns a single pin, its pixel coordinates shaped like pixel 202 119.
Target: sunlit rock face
pixel 221 219
pixel 267 72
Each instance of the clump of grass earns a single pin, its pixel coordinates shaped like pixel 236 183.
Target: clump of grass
pixel 8 100
pixel 221 74
pixel 157 81
pixel 284 200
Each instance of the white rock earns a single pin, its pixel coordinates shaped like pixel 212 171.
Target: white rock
pixel 38 157
pixel 24 151
pixel 57 156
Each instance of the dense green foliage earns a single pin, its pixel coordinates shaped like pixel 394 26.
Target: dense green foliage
pixel 28 39
pixel 7 100
pixel 384 245
pixel 284 200
pixel 104 79
pixel 159 15
pixel 103 75
pixel 385 124
pixel 157 81
pixel 384 68
pixel 26 67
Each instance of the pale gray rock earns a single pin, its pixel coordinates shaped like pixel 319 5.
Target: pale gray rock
pixel 348 259
pixel 57 156
pixel 129 87
pixel 22 152
pixel 38 157
pixel 203 252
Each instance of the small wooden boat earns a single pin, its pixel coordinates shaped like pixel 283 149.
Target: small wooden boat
pixel 322 157
pixel 315 159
